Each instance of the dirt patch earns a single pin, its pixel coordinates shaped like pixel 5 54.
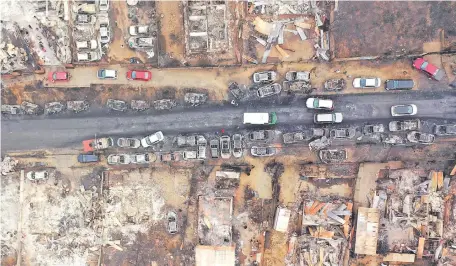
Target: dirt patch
pixel 390 27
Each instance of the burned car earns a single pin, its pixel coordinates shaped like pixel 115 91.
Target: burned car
pixel 139 105
pixel 335 85
pixel 414 124
pixel 237 145
pixel 342 133
pixel 445 130
pixel 373 129
pixel 164 104
pixel 269 90
pixel 420 137
pixel 214 146
pixel 297 76
pixel 260 135
pixel 225 147
pixel 116 105
pixel 12 109
pixel 332 156
pixel 77 106
pixel 53 108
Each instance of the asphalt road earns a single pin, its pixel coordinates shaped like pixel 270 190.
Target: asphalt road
pixel 66 131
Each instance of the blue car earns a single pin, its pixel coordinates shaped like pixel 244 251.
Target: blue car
pixel 88 158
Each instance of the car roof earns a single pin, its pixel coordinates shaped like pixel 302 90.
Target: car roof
pixel 325 103
pixel 60 74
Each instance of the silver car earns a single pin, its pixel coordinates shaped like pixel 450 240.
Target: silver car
pixel 262 151
pixel 116 159
pixel 404 110
pixel 128 143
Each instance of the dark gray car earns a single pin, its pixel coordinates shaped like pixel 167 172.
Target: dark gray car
pixel 399 84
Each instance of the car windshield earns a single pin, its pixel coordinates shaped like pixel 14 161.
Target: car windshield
pixel 424 65
pixel 362 83
pixel 316 103
pixel 54 76
pixel 102 73
pixel 133 74
pixel 404 109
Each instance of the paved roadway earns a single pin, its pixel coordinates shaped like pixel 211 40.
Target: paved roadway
pixel 65 131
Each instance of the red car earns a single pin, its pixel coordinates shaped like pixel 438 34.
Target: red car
pixel 139 75
pixel 428 68
pixel 58 76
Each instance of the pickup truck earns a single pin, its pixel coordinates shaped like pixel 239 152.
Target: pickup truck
pixel 405 125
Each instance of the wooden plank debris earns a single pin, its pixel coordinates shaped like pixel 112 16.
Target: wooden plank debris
pixel 420 249
pixel 367 231
pixel 399 257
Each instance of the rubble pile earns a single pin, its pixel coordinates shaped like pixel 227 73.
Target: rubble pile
pixel 206 27
pixel 12 58
pixel 326 227
pixel 8 165
pixel 308 21
pixel 412 212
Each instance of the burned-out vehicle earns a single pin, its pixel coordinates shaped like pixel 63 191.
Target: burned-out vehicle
pixel 128 143
pixel 394 140
pixel 261 135
pixel 225 147
pixel 295 137
pixel 12 109
pixel 297 76
pixel 414 124
pixel 420 137
pixel 445 130
pixel 269 90
pixel 332 156
pixel 237 145
pixel 195 99
pixel 77 106
pixel 335 84
pixel 117 105
pixel 53 108
pixel 164 104
pixel 373 129
pixel 214 146
pixel 342 133
pixel 30 108
pixel 139 105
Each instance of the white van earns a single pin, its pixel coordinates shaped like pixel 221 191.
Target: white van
pixel 260 118
pixel 328 118
pixel 92 44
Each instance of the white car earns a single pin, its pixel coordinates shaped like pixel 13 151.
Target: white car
pixel 328 118
pixel 105 34
pixel 107 74
pixel 317 103
pixel 138 29
pixel 104 5
pixel 88 56
pixel 360 83
pixel 37 175
pixel 152 139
